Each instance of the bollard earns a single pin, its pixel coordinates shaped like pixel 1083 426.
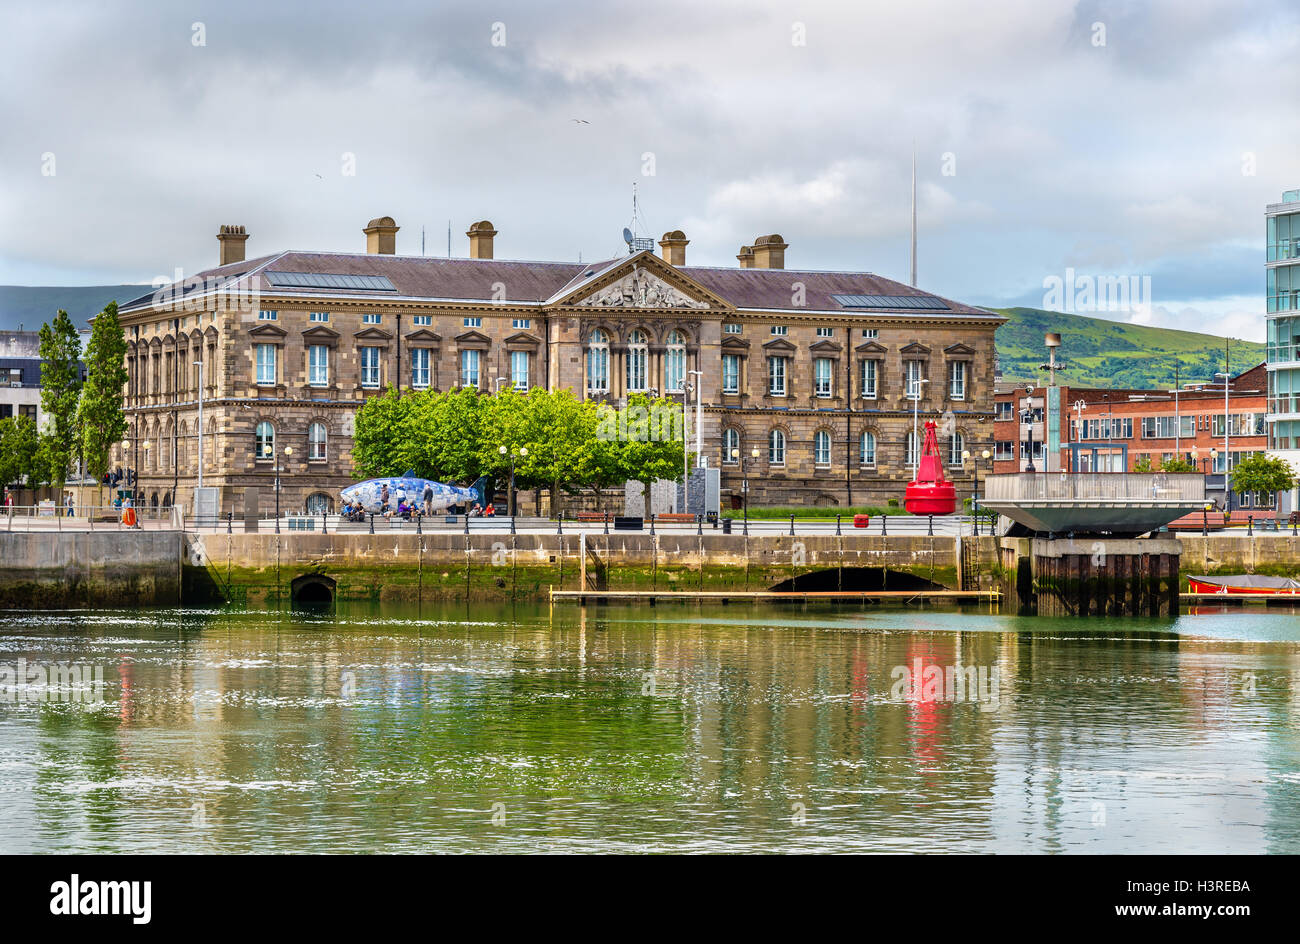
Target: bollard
pixel 277 524
pixel 884 524
pixel 324 523
pixel 837 525
pixel 746 528
pixel 467 522
pixel 230 517
pixel 372 522
pixel 1250 524
pixel 792 526
pixel 419 524
pixel 652 522
pixel 607 522
pixel 559 522
pixel 930 526
pixel 1205 523
pixel 512 524
pixel 699 525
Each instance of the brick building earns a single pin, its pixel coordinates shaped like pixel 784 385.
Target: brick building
pixel 1139 427
pixel 809 368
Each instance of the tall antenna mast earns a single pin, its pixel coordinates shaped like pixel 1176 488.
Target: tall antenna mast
pixel 421 240
pixel 914 214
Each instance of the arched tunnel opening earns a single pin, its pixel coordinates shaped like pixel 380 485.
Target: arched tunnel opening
pixel 855 580
pixel 312 589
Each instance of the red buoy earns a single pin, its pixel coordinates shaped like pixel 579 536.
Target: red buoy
pixel 930 493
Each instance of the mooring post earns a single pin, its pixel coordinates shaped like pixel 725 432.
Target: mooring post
pixel 324 522
pixel 792 526
pixel 467 522
pixel 607 522
pixel 1250 524
pixel 372 522
pixel 699 525
pixel 837 525
pixel 559 522
pixel 419 528
pixel 652 522
pixel 512 524
pixel 930 525
pixel 1205 522
pixel 884 524
pixel 230 517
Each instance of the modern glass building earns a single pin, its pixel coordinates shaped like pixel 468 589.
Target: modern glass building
pixel 1282 281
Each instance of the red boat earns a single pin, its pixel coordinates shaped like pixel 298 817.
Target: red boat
pixel 930 493
pixel 1235 584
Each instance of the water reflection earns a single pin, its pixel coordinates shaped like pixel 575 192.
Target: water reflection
pixel 496 728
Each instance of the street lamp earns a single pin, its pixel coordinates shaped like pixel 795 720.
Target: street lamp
pixel 1027 418
pixel 744 481
pixel 513 454
pixel 916 403
pixel 288 451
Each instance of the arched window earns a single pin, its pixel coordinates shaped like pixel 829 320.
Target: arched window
pixel 955 448
pixel 265 445
pixel 675 363
pixel 822 448
pixel 318 503
pixel 913 451
pixel 182 452
pixel 730 445
pixel 316 441
pixel 637 356
pixel 867 449
pixel 598 362
pixel 776 447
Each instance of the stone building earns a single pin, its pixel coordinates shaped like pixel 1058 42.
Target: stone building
pixel 804 375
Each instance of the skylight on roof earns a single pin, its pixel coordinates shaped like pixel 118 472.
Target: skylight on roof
pixel 925 302
pixel 372 283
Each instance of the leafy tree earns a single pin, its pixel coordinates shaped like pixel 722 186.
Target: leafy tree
pixel 60 394
pixel 378 442
pixel 442 434
pixel 556 426
pixel 1262 473
pixel 18 450
pixel 1142 464
pixel 1176 464
pixel 598 459
pixel 654 440
pixel 99 412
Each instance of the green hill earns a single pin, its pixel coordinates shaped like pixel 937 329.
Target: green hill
pixel 33 305
pixel 1097 352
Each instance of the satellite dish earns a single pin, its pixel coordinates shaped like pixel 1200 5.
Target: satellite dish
pixel 627 235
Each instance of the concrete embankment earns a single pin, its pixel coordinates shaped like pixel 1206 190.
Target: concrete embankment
pixel 90 568
pixel 434 566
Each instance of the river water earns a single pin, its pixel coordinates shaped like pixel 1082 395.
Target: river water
pixel 647 729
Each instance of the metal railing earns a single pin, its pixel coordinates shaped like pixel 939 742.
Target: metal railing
pixel 1095 486
pixel 86 518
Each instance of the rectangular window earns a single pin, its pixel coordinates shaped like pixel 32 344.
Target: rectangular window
pixel 957 380
pixel 522 323
pixel 519 370
pixel 1114 428
pixel 318 363
pixel 731 328
pixel 267 315
pixel 914 378
pixel 319 316
pixel 871 333
pixel 420 367
pixel 1004 449
pixel 780 330
pixel 1241 424
pixel 822 373
pixel 469 361
pixel 825 332
pixel 422 320
pixel 776 376
pixel 370 319
pixel 731 373
pixel 266 365
pixel 870 372
pixel 1004 410
pixel 370 367
pixel 473 322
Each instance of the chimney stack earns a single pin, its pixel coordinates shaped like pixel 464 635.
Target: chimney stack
pixel 381 236
pixel 231 241
pixel 746 257
pixel 480 239
pixel 769 252
pixel 673 248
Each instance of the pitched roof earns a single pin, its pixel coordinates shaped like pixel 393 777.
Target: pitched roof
pixel 520 282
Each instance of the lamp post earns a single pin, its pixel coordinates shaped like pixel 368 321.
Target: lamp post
pixel 512 454
pixel 744 481
pixel 916 442
pixel 686 447
pixel 145 446
pixel 288 451
pixel 1027 417
pixel 699 429
pixel 1227 456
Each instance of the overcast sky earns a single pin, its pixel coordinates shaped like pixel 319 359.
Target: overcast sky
pixel 1114 138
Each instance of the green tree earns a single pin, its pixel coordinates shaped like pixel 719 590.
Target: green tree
pixel 598 458
pixel 378 439
pixel 19 446
pixel 1176 464
pixel 1262 473
pixel 99 412
pixel 1142 464
pixel 652 432
pixel 60 394
pixel 555 427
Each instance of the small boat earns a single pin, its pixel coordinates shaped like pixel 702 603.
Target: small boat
pixel 1244 583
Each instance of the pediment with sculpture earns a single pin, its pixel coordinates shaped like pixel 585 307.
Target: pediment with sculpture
pixel 640 289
